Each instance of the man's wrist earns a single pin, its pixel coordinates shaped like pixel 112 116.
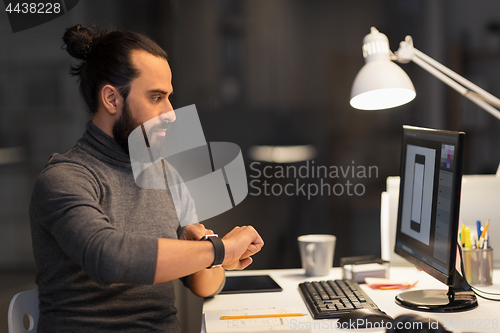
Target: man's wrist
pixel 219 251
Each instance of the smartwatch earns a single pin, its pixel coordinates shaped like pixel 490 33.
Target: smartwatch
pixel 219 251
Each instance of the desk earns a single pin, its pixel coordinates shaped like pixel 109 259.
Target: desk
pixel 487 314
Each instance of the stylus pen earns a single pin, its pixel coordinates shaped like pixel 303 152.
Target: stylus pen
pixel 275 315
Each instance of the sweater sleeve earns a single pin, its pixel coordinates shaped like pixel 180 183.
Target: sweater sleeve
pixel 184 203
pixel 65 202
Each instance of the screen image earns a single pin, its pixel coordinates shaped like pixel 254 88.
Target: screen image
pixel 447 156
pixel 416 217
pixel 418 192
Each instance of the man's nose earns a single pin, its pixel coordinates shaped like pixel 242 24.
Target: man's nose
pixel 169 114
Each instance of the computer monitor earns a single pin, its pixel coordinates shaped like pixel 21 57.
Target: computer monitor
pixel 429 203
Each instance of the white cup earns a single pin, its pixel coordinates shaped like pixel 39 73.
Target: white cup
pixel 316 253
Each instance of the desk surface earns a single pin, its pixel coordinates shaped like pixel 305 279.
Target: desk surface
pixel 484 318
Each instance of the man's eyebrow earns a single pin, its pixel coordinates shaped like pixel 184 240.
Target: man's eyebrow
pixel 159 91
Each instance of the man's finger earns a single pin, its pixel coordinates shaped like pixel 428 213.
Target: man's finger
pixel 252 249
pixel 245 263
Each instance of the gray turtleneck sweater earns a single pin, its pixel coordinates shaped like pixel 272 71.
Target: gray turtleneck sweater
pixel 94 235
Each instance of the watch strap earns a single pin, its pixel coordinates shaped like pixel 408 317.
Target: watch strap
pixel 219 250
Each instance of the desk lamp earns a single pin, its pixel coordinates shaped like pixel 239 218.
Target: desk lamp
pixel 381 84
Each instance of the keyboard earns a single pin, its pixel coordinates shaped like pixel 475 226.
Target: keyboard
pixel 334 298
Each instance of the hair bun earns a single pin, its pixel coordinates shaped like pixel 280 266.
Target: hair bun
pixel 78 40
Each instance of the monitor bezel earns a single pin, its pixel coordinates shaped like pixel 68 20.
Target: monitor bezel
pixel 449 278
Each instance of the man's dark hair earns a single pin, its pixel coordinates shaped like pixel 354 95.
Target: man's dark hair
pixel 106 59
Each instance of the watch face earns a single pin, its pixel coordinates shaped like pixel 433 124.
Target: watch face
pixel 206 237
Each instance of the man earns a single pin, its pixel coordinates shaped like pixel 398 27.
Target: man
pixel 107 250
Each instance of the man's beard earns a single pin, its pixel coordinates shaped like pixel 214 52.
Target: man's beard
pixel 123 127
pixel 126 124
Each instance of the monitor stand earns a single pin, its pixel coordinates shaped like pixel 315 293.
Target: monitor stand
pixel 458 297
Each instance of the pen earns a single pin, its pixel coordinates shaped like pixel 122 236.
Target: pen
pixel 467 246
pixel 466 237
pixel 478 224
pixel 462 236
pixel 483 234
pixel 275 315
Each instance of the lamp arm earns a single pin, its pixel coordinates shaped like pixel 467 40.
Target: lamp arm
pixel 482 100
pixel 489 98
pixel 486 106
pixel 466 88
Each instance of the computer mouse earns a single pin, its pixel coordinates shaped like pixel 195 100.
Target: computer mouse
pixel 364 318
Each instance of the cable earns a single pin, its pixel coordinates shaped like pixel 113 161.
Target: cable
pixel 484 292
pixel 484 297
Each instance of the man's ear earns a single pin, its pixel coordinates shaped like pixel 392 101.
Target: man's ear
pixel 111 99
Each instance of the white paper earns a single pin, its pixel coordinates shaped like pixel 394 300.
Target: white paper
pixel 281 324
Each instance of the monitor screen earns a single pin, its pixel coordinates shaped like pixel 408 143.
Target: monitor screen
pixel 429 201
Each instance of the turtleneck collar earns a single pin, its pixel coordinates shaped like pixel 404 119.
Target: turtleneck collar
pixel 104 145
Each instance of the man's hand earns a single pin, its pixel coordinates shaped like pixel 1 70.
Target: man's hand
pixel 178 258
pixel 240 244
pixel 195 232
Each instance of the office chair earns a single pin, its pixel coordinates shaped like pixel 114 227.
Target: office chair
pixel 23 303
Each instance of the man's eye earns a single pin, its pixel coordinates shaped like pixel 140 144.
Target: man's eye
pixel 156 98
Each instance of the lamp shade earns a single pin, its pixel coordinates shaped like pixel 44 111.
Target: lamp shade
pixel 380 84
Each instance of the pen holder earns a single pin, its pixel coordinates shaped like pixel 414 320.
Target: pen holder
pixel 478 265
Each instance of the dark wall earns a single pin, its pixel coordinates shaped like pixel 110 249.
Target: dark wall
pixel 259 71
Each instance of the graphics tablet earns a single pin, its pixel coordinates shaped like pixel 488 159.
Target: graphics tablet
pixel 250 284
